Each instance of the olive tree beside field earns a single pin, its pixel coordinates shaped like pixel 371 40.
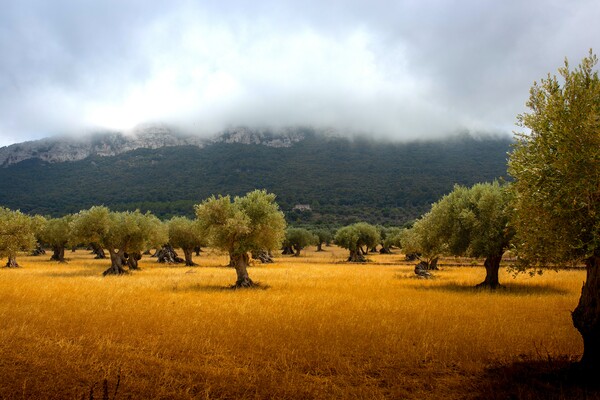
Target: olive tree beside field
pixel 471 222
pixel 187 235
pixel 17 233
pixel 121 233
pixel 556 167
pixel 297 239
pixel 357 239
pixel 253 222
pixel 57 234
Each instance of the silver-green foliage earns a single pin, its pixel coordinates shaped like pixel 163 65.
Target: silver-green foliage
pixel 556 166
pixel 17 233
pixel 251 222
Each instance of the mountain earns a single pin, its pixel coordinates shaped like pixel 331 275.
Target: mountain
pixel 61 149
pixel 319 178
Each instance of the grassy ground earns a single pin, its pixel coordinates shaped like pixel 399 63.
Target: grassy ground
pixel 320 328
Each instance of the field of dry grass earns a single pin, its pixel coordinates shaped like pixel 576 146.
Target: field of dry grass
pixel 319 328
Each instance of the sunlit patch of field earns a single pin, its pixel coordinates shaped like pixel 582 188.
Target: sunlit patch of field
pixel 319 328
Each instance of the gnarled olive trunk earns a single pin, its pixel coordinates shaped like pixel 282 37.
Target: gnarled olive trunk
pixel 240 263
pixel 264 256
pixel 357 256
pixel 58 254
pixel 39 250
pixel 492 266
pixel 98 251
pixel 385 250
pixel 297 251
pixel 12 262
pixel 320 247
pixel 116 259
pixel 197 249
pixel 187 253
pixel 287 250
pixel 132 259
pixel 586 316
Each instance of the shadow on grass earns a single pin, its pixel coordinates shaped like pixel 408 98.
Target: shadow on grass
pixel 518 289
pixel 558 378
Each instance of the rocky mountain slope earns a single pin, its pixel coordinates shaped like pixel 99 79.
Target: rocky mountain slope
pixel 63 148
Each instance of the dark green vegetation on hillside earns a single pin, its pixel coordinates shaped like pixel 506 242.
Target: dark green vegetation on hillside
pixel 343 181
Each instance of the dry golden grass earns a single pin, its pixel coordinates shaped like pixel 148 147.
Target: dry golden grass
pixel 320 329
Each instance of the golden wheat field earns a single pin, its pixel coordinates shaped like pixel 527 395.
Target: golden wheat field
pixel 318 328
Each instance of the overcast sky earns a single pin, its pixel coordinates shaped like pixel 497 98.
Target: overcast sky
pixel 402 69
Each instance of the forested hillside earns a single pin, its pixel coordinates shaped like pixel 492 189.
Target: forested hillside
pixel 342 180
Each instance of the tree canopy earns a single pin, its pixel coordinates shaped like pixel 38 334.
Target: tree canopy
pixel 249 223
pixel 556 166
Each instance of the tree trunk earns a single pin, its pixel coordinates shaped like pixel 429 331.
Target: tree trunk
pixel 586 317
pixel 197 249
pixel 58 254
pixel 287 250
pixel 132 260
pixel 264 256
pixel 39 250
pixel 116 259
pixel 385 250
pixel 187 253
pixel 297 251
pixel 320 247
pixel 240 263
pixel 432 265
pixel 357 256
pixel 12 262
pixel 167 254
pixel 98 251
pixel 492 266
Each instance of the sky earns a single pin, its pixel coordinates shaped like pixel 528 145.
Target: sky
pixel 396 69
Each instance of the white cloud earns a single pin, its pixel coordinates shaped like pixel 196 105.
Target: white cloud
pixel 400 69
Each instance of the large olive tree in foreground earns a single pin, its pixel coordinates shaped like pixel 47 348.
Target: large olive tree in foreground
pixel 358 239
pixel 17 233
pixel 250 223
pixel 121 233
pixel 472 222
pixel 556 166
pixel 187 235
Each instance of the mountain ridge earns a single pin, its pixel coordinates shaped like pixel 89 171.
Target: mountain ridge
pixel 343 180
pixel 112 143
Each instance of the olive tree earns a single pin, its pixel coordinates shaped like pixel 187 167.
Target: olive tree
pixel 187 235
pixel 57 234
pixel 124 234
pixel 323 235
pixel 354 237
pixel 556 167
pixel 388 237
pixel 249 223
pixel 17 233
pixel 471 222
pixel 298 239
pixel 422 241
